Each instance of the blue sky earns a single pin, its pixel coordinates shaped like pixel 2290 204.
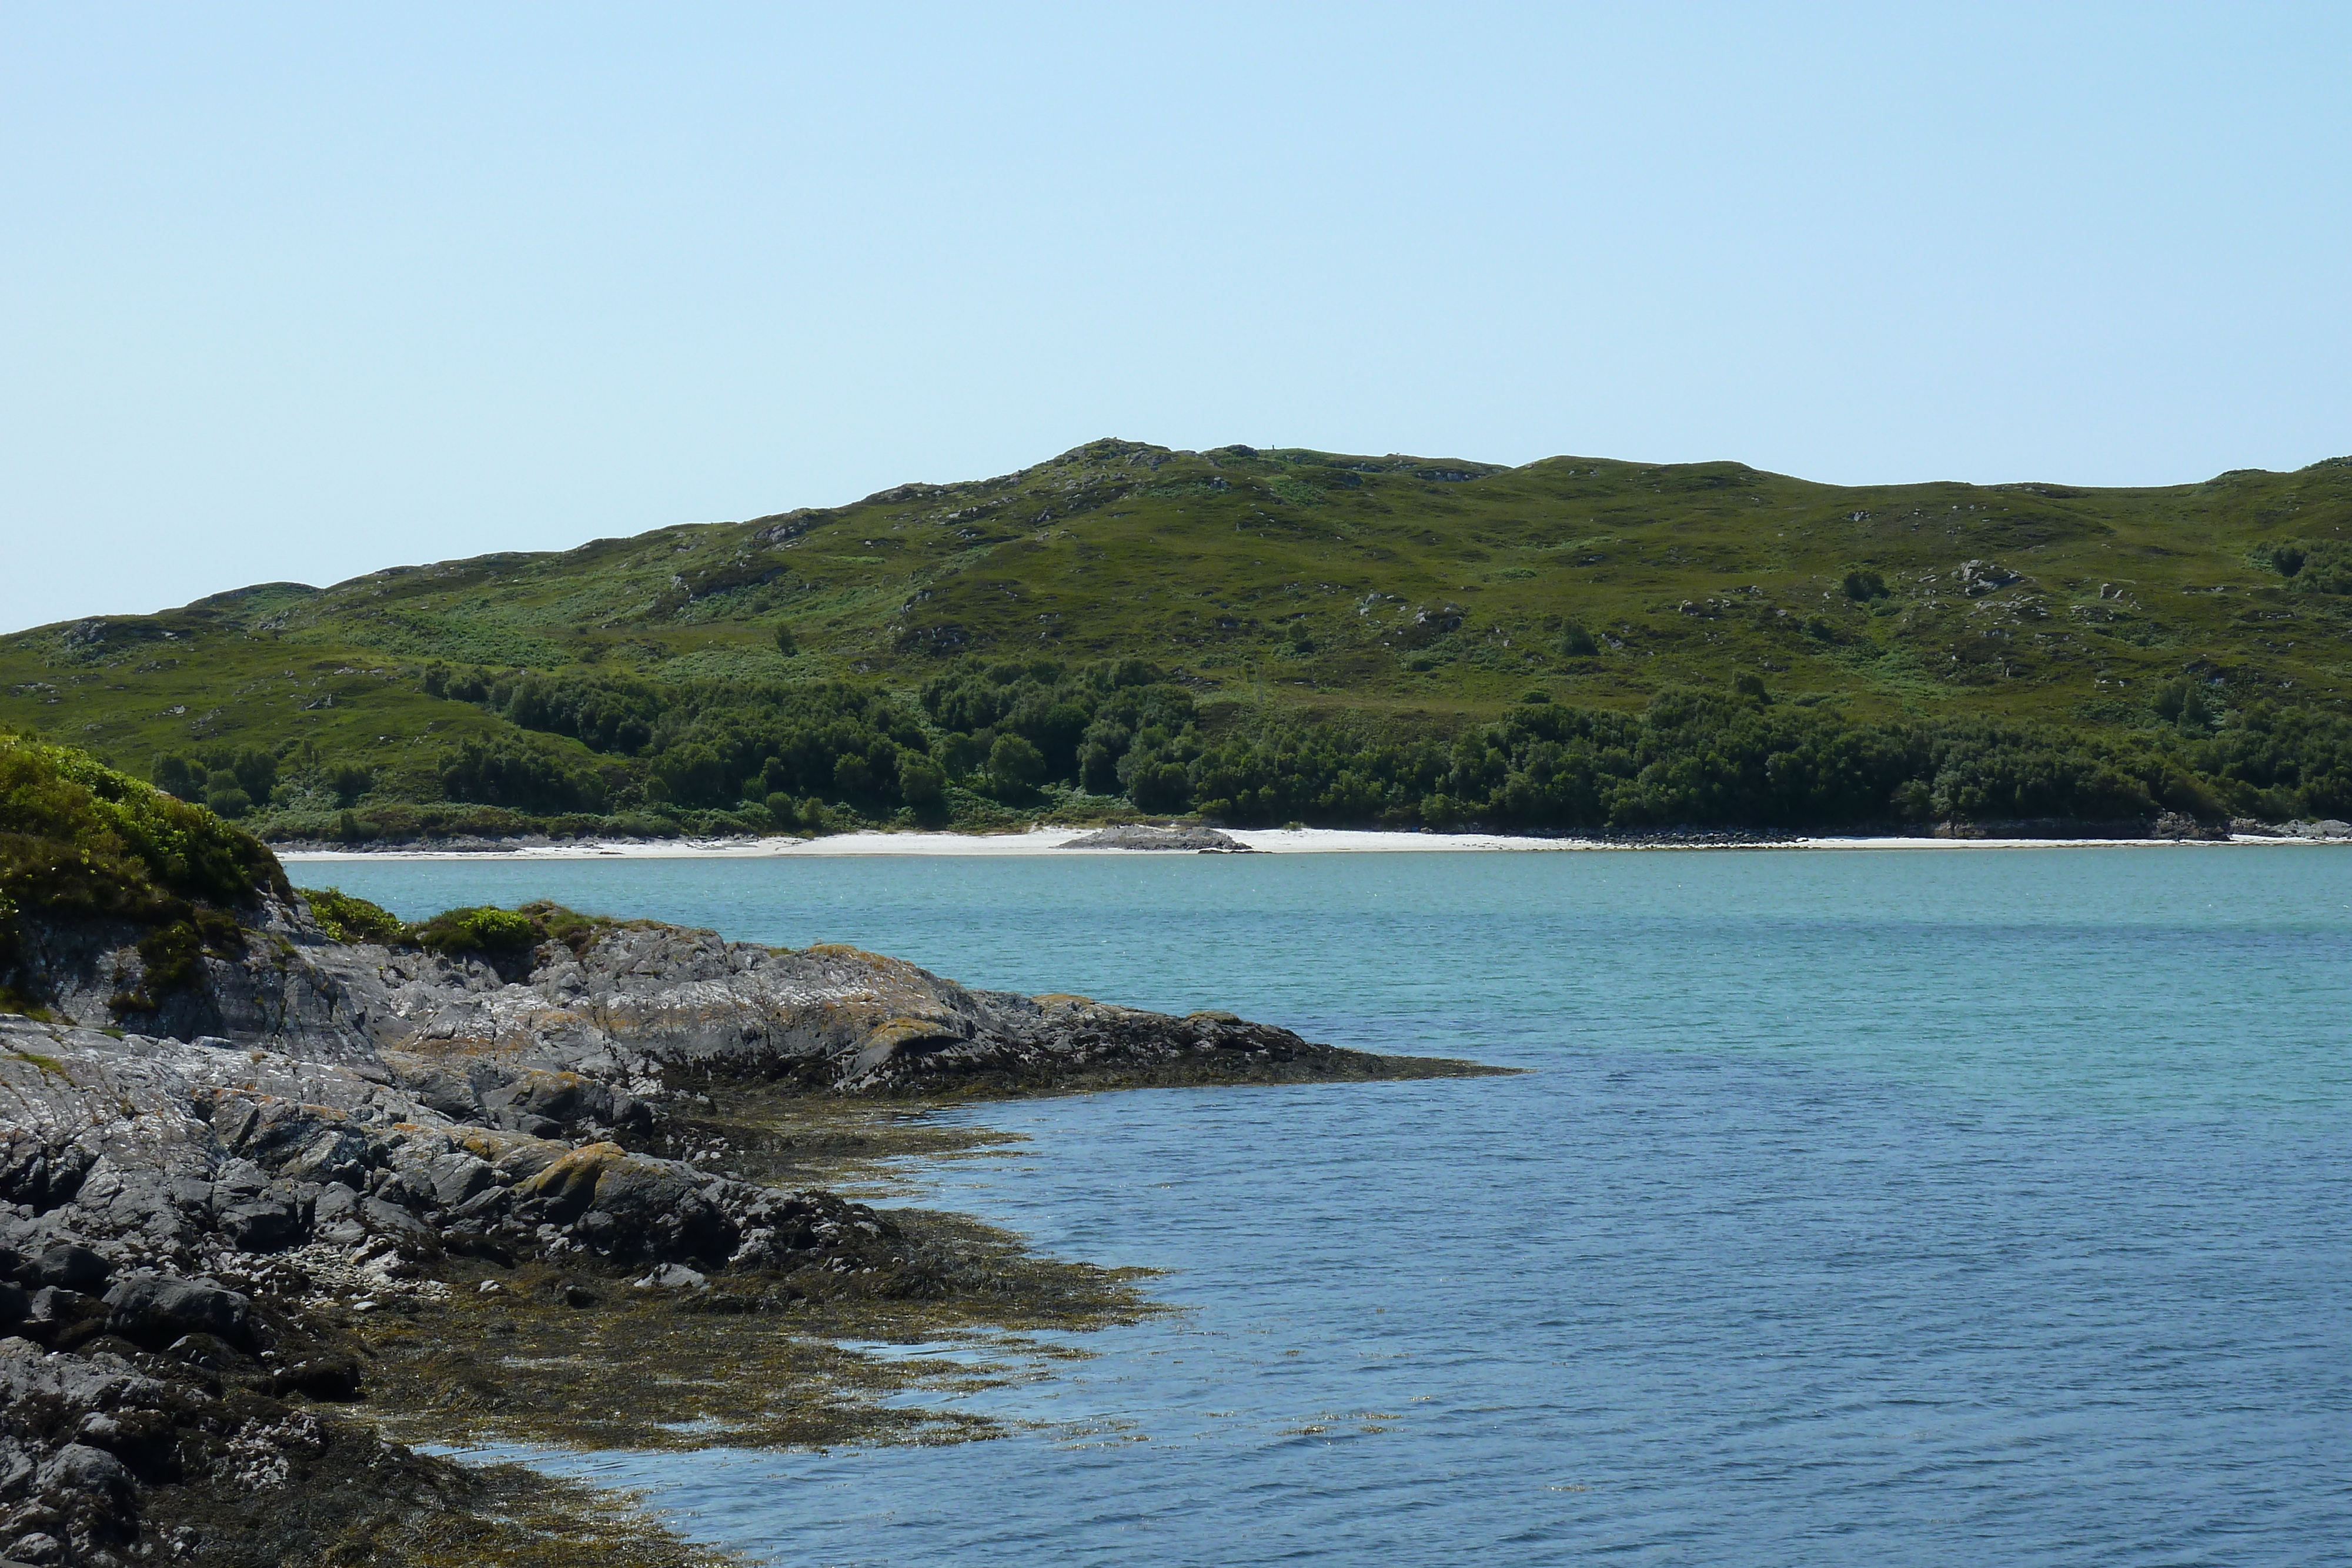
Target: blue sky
pixel 299 292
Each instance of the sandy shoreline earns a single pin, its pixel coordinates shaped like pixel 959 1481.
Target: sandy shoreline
pixel 1277 840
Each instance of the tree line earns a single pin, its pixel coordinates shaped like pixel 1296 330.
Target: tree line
pixel 718 757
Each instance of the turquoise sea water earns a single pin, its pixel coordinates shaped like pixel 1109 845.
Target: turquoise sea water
pixel 1901 1207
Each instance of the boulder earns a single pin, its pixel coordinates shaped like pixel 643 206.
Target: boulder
pixel 1189 841
pixel 336 1155
pixel 74 1267
pixel 513 1156
pixel 56 1304
pixel 325 1377
pixel 455 1177
pixel 78 1467
pixel 544 1103
pixel 152 1310
pixel 567 1184
pixel 277 1131
pixel 208 1350
pixel 264 1225
pixel 346 1219
pixel 237 1179
pixel 628 1207
pixel 42 1176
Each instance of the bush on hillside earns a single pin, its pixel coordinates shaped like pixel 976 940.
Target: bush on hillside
pixel 519 778
pixel 1015 765
pixel 1863 586
pixel 249 772
pixel 2315 565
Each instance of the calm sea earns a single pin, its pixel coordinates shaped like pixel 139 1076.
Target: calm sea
pixel 1873 1207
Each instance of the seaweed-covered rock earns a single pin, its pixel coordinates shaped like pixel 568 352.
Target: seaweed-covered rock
pixel 631 1208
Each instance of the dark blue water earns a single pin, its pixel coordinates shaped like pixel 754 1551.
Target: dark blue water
pixel 1903 1207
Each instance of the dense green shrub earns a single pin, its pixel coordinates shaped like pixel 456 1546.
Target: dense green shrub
pixel 172 774
pixel 349 781
pixel 1015 765
pixel 519 778
pixel 230 782
pixel 2182 702
pixel 922 783
pixel 348 919
pixel 486 930
pixel 2315 565
pixel 81 840
pixel 2276 761
pixel 223 796
pixel 1692 759
pixel 507 939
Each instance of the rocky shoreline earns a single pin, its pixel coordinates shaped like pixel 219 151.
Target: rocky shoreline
pixel 337 1195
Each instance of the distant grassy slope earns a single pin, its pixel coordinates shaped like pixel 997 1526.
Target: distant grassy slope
pixel 1436 591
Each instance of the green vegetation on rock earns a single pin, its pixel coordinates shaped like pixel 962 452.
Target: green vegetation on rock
pixel 1277 635
pixel 80 840
pixel 348 919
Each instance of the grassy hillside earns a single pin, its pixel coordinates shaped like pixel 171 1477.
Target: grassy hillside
pixel 1388 596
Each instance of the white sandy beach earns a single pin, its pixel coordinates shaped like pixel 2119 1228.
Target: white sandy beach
pixel 1276 840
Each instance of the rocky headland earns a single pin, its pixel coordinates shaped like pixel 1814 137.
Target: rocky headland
pixel 286 1186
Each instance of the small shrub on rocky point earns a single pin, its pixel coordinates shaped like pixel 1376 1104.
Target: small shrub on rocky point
pixel 490 931
pixel 348 919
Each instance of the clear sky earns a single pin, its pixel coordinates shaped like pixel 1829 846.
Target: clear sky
pixel 299 292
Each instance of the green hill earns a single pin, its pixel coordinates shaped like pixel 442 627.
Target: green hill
pixel 1346 609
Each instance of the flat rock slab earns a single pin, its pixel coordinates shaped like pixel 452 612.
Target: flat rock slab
pixel 1193 840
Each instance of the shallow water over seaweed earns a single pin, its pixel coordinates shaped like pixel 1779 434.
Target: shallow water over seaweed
pixel 1866 1208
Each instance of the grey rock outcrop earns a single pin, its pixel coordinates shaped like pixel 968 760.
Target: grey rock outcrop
pixel 582 1040
pixel 335 1124
pixel 1190 841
